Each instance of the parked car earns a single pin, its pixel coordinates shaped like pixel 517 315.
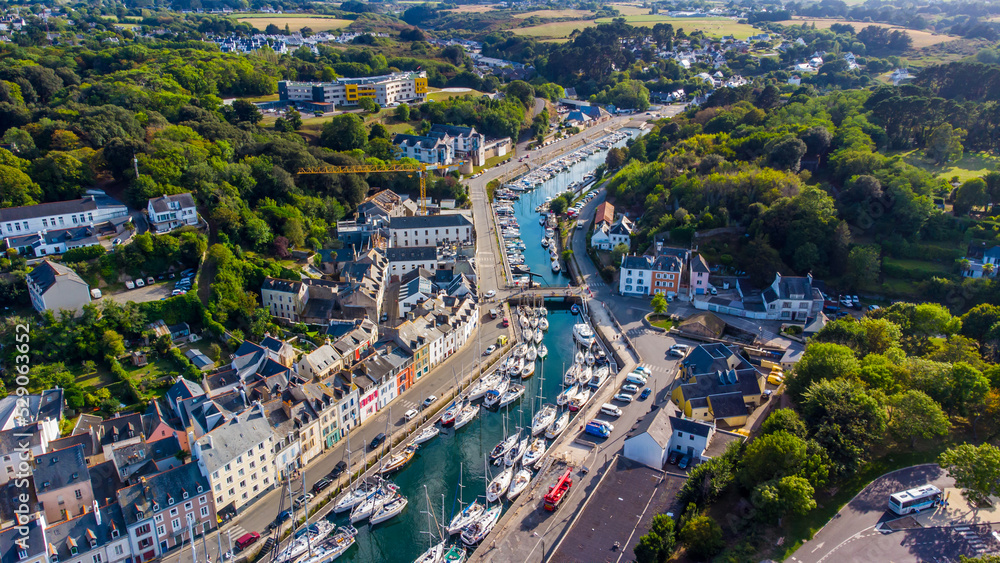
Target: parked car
pixel 129 284
pixel 410 414
pixel 679 350
pixel 505 323
pixel 282 516
pixel 140 283
pixel 302 499
pixel 873 307
pixel 674 458
pixel 623 397
pixel 320 485
pixel 116 242
pixel 430 400
pixel 246 540
pixel 377 441
pixel 645 394
pixel 490 294
pixel 337 469
pixel 490 349
pixel 630 388
pixel 683 463
pixel 150 280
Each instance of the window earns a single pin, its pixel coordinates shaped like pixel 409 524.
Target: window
pixel 204 511
pixel 227 467
pixel 243 484
pixel 232 492
pixel 680 434
pixel 229 480
pixel 691 437
pixel 188 505
pixel 118 548
pixel 158 518
pixel 175 523
pixel 203 498
pixel 161 531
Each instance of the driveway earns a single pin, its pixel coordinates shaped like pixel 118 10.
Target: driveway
pixel 153 292
pixel 851 534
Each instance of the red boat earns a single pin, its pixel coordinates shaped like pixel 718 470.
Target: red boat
pixel 448 418
pixel 558 491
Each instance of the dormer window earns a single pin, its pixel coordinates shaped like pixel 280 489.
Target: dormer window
pixel 138 514
pixel 170 500
pixel 22 554
pixel 114 532
pixel 199 488
pixel 156 507
pixel 186 493
pixel 52 559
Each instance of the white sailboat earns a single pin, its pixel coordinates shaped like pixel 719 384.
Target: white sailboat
pixel 539 336
pixel 513 393
pixel 534 452
pixel 543 350
pixel 468 413
pixel 571 375
pixel 590 358
pixel 299 546
pixel 532 354
pixel 494 395
pixel 543 323
pixel 563 398
pixel 333 547
pixel 426 434
pixel 543 418
pixel 485 383
pixel 519 483
pixel 355 494
pixel 371 503
pixel 466 516
pixel 478 530
pixel 528 370
pixel 514 454
pixel 390 508
pixel 557 427
pixel 579 359
pixel 498 486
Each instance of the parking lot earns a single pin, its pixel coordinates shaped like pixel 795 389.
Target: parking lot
pixel 153 292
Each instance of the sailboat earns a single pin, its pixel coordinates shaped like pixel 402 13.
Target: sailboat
pixel 528 370
pixel 543 350
pixel 581 398
pixel 354 494
pixel 485 383
pixel 557 427
pixel 435 553
pixel 563 398
pixel 534 452
pixel 494 395
pixel 514 392
pixel 532 354
pixel 314 534
pixel 371 503
pixel 469 411
pixel 397 461
pixel 390 508
pixel 426 434
pixel 478 530
pixel 539 336
pixel 466 516
pixel 514 454
pixel 543 323
pixel 520 482
pixel 449 416
pixel 333 547
pixel 498 486
pixel 543 418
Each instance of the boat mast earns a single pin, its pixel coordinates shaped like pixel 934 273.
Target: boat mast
pixel 305 508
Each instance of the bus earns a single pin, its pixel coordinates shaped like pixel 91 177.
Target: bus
pixel 914 500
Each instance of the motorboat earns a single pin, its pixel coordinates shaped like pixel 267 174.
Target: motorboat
pixel 469 412
pixel 516 367
pixel 494 395
pixel 543 323
pixel 519 483
pixel 313 536
pixel 478 530
pixel 563 398
pixel 397 461
pixel 543 350
pixel 455 554
pixel 426 434
pixel 465 517
pixel 503 447
pixel 582 396
pixel 539 335
pixel 514 392
pixel 514 454
pixel 543 418
pixel 528 370
pixel 575 309
pixel 580 358
pixel 333 547
pixel 545 242
pixel 448 418
pixel 534 452
pixel 557 427
pixel 389 509
pixel 498 486
pixel 584 375
pixel 555 266
pixel 599 375
pixel 583 334
pixel 590 358
pixel 532 354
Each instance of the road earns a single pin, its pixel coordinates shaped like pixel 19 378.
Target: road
pixel 851 534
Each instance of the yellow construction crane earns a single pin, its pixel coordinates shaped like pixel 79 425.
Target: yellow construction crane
pixel 420 168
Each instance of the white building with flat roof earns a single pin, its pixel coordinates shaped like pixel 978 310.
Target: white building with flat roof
pixel 386 90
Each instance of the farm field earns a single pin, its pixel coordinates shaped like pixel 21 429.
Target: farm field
pixel 468 9
pixel 295 21
pixel 549 14
pixel 920 38
pixel 631 9
pixel 715 27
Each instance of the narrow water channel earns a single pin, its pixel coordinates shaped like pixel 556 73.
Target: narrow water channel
pixel 532 232
pixel 439 461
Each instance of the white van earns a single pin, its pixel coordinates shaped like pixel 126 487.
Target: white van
pixel 611 410
pixel 636 378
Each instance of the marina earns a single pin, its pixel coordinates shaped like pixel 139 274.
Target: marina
pixel 526 229
pixel 395 528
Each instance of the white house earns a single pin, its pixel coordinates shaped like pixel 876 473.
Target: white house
pixel 649 442
pixel 415 288
pixel 54 287
pixel 238 459
pixel 403 260
pixel 97 536
pixel 792 298
pixel 169 212
pixel 429 230
pixel 87 211
pixel 621 232
pixel 636 275
pixel 601 238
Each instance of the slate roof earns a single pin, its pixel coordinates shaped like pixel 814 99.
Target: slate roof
pixel 86 439
pixel 47 274
pixel 159 489
pixel 183 389
pixel 82 530
pixel 698 264
pixel 233 439
pixel 689 426
pixel 105 482
pixel 424 142
pixel 60 468
pixel 452 130
pixel 710 358
pixel 993 253
pixel 162 203
pixel 789 286
pixel 727 405
pixel 657 424
pixel 12 439
pixel 120 428
pixel 430 221
pixel 9 548
pixel 82 205
pixel 411 253
pixel 636 263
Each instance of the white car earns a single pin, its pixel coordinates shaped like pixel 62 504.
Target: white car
pixel 430 400
pixel 623 397
pixel 630 388
pixel 679 350
pixel 490 294
pixel 410 415
pixel 139 283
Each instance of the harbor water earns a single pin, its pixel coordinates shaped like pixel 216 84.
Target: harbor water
pixel 438 462
pixel 535 256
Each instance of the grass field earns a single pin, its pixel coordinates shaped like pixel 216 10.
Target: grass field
pixel 714 27
pixel 971 165
pixel 920 38
pixel 296 22
pixel 438 95
pixel 631 9
pixel 578 14
pixel 470 9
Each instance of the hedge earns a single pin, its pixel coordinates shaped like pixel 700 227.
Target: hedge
pixel 83 253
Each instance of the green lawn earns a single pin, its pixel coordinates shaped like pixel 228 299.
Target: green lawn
pixel 714 27
pixel 491 162
pixel 919 264
pixel 971 165
pixel 439 95
pixel 665 324
pixel 94 380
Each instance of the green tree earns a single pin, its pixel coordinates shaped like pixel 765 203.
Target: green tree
pixel 821 361
pixel 970 195
pixel 522 92
pixel 214 352
pixel 702 536
pixel 402 112
pixel 558 205
pixel 621 249
pixel 246 111
pixel 378 131
pixel 16 188
pixel 864 265
pixel 845 420
pixel 659 304
pixel 779 497
pixel 369 105
pixel 657 545
pixel 944 143
pixel 781 454
pixel 783 420
pixel 913 415
pixel 616 158
pixel 113 343
pixel 976 470
pixel 344 132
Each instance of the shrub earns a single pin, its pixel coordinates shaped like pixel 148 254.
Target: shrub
pixel 83 253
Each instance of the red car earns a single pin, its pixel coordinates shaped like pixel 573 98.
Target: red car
pixel 506 322
pixel 247 540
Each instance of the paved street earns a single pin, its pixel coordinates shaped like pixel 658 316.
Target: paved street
pixel 851 534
